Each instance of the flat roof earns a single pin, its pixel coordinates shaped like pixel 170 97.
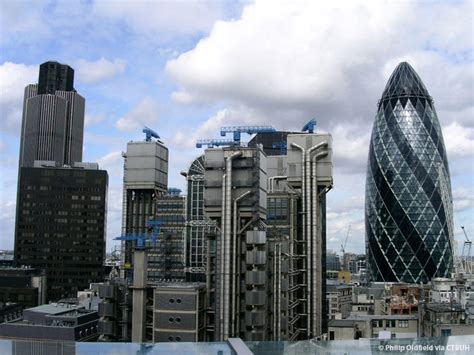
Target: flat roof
pixel 444 307
pixel 344 323
pixel 384 316
pixel 54 308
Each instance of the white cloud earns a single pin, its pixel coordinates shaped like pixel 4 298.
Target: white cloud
pixel 149 18
pixel 102 69
pixel 287 54
pixel 328 60
pixel 17 19
pixel 145 113
pixel 7 221
pixel 211 127
pixel 463 199
pixel 110 160
pixel 13 79
pixel 351 147
pixel 93 119
pixel 459 140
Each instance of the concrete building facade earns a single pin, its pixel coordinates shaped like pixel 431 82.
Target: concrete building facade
pixel 145 178
pixel 268 259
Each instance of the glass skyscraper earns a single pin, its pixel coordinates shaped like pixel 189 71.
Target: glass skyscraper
pixel 408 203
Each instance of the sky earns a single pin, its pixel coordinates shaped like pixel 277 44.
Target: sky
pixel 186 68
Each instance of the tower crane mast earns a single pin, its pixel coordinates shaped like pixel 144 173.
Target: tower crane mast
pixel 466 254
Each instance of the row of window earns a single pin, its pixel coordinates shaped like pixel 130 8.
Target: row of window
pixel 390 323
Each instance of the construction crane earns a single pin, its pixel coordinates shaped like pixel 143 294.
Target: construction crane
pixel 309 126
pixel 343 248
pixel 174 191
pixel 149 133
pixel 466 254
pixel 210 143
pixel 153 226
pixel 237 130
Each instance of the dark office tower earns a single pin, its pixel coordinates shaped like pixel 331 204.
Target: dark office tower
pixel 53 118
pixel 53 77
pixel 60 225
pixel 408 204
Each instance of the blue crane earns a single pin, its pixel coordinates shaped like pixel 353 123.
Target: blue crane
pixel 149 133
pixel 214 142
pixel 174 191
pixel 309 126
pixel 237 130
pixel 153 225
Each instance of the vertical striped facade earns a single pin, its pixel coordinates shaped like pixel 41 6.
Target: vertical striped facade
pixel 52 127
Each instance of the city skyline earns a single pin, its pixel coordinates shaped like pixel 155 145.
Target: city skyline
pixel 172 67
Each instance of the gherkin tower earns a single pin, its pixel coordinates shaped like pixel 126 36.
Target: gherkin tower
pixel 408 202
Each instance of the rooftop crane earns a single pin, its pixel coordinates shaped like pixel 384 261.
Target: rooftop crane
pixel 309 126
pixel 174 191
pixel 154 227
pixel 466 254
pixel 149 133
pixel 214 142
pixel 237 130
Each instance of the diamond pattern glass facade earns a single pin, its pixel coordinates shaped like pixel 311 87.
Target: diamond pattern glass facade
pixel 408 203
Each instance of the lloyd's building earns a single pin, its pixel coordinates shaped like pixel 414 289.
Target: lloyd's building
pixel 408 203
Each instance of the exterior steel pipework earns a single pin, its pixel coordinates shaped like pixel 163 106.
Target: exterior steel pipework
pixel 272 180
pixel 221 276
pixel 227 236
pixel 316 246
pixel 234 258
pixel 303 204
pixel 308 235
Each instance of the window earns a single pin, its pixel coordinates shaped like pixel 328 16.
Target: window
pixel 445 332
pixel 403 324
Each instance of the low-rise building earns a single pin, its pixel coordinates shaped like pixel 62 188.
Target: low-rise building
pixel 368 300
pixel 403 298
pixel 374 326
pixel 55 321
pixel 179 312
pixel 25 286
pixel 441 319
pixel 10 312
pixel 339 299
pixel 449 290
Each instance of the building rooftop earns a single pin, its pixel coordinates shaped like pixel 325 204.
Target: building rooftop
pixel 344 323
pixel 55 308
pixel 383 316
pixel 185 285
pixel 444 307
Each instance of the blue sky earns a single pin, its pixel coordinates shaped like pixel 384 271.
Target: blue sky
pixel 187 68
